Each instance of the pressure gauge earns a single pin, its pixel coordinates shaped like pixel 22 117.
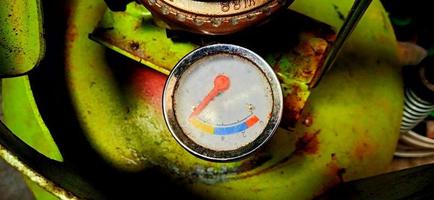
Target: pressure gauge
pixel 222 102
pixel 213 16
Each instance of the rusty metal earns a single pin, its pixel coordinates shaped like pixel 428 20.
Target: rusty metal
pixel 296 70
pixel 296 64
pixel 116 104
pixel 181 71
pixel 214 17
pixel 134 34
pixel 35 176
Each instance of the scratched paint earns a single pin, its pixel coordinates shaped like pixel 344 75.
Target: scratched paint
pixel 21 36
pixel 332 105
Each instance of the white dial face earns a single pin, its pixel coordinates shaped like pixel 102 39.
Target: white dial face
pixel 223 102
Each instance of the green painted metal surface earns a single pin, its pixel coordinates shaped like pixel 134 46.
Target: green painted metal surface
pixel 21 36
pixel 38 192
pixel 22 116
pixel 127 114
pixel 348 130
pixel 134 33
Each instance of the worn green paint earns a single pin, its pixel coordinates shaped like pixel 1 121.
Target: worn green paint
pixel 356 111
pixel 121 122
pixel 21 36
pixel 133 34
pixel 21 116
pixel 136 34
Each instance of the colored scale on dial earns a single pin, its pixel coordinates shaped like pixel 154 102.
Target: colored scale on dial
pixel 221 83
pixel 222 102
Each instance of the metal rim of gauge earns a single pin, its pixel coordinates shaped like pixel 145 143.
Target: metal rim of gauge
pixel 214 17
pixel 245 147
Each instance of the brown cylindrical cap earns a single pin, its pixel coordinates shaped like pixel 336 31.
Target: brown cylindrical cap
pixel 216 17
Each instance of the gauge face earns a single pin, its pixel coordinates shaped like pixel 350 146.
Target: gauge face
pixel 214 17
pixel 222 102
pixel 218 107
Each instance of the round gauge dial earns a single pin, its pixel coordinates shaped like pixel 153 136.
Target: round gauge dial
pixel 214 17
pixel 222 7
pixel 222 102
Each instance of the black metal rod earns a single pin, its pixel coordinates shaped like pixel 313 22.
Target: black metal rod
pixel 358 9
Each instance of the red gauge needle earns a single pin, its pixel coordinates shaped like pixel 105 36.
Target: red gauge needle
pixel 221 83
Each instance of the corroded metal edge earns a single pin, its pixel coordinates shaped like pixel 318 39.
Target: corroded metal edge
pixel 34 176
pixel 129 55
pixel 217 23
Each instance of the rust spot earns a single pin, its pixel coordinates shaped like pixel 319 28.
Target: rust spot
pixel 305 48
pixel 319 46
pixel 334 156
pixel 307 73
pixel 335 175
pixel 311 52
pixel 256 190
pixel 336 172
pixel 363 148
pixel 308 143
pixel 308 120
pixel 70 37
pixel 293 104
pixel 307 56
pixel 71 34
pixel 134 46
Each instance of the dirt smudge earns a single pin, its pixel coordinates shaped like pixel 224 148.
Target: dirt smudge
pixel 363 148
pixel 308 143
pixel 339 13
